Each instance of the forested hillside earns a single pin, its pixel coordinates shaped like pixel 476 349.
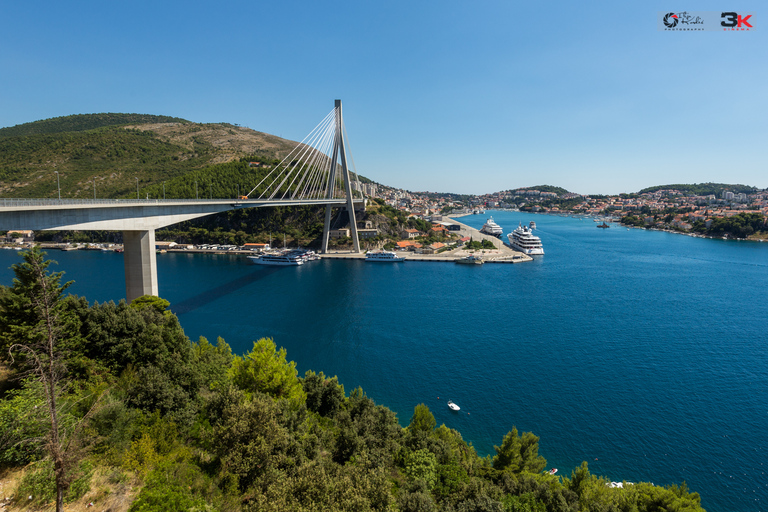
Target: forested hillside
pixel 111 404
pixel 117 152
pixel 83 122
pixel 549 188
pixel 703 189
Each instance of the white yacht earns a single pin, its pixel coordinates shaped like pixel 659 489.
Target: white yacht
pixel 383 256
pixel 304 254
pixel 491 228
pixel 278 259
pixel 523 240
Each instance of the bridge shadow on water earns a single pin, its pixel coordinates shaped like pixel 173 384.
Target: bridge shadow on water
pixel 214 294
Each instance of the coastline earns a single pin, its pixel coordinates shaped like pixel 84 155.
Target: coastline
pixel 618 223
pixel 501 254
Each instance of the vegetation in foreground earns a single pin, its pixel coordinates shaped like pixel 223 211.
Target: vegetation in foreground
pixel 112 404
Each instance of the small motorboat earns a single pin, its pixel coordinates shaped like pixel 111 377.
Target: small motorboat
pixel 453 406
pixel 470 260
pixel 552 471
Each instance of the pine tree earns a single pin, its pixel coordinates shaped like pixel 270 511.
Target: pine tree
pixel 34 319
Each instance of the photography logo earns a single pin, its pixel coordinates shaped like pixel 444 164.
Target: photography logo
pixel 699 21
pixel 670 20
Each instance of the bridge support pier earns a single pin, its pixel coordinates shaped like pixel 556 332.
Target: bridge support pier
pixel 140 264
pixel 339 149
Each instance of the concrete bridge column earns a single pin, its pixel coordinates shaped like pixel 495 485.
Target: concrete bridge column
pixel 140 264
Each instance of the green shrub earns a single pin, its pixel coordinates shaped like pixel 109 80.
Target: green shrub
pixel 23 420
pixel 175 487
pixel 40 484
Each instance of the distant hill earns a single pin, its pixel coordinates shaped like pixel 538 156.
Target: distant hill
pixel 83 122
pixel 702 189
pixel 546 188
pixel 115 150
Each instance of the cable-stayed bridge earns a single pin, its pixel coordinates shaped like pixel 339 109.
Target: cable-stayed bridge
pixel 316 172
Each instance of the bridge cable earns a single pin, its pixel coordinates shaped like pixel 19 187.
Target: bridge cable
pixel 320 165
pixel 278 166
pixel 301 164
pixel 348 147
pixel 314 166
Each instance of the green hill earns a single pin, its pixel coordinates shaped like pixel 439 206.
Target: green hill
pixel 546 188
pixel 83 122
pixel 114 150
pixel 702 189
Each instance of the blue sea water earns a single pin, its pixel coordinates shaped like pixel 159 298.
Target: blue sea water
pixel 643 353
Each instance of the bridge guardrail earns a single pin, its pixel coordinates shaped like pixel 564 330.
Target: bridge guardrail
pixel 54 202
pixel 18 202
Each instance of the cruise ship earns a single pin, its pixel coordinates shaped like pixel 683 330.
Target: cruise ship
pixel 523 240
pixel 491 228
pixel 383 256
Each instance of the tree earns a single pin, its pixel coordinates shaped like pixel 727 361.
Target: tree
pixel 212 362
pixel 508 455
pixel 519 453
pixel 422 420
pixel 38 293
pixel 150 301
pixel 422 465
pixel 266 369
pixel 324 396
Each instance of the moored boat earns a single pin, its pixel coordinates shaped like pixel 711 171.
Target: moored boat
pixel 304 254
pixel 491 228
pixel 277 259
pixel 523 240
pixel 384 256
pixel 453 406
pixel 470 260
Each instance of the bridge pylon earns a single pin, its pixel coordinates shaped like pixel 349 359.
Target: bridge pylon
pixel 340 147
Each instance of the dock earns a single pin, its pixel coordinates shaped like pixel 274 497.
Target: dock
pixel 501 254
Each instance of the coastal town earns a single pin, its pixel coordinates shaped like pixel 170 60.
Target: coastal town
pixel 427 225
pixel 663 208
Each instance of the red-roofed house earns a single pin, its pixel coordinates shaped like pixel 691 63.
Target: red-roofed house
pixel 408 245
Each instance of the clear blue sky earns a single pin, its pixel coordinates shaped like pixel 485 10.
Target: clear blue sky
pixel 469 97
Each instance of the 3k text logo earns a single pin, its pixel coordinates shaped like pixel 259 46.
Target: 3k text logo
pixel 734 21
